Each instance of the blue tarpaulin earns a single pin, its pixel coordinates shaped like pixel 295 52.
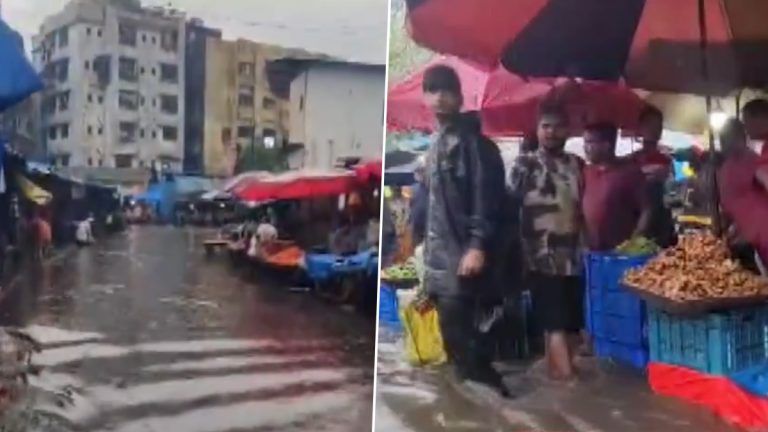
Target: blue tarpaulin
pixel 18 79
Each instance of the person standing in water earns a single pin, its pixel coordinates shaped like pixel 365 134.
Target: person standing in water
pixel 465 187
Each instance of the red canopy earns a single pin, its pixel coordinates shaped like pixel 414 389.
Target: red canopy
pixel 297 185
pixel 508 104
pixel 654 44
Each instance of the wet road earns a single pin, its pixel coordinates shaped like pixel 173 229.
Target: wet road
pixel 607 399
pixel 142 333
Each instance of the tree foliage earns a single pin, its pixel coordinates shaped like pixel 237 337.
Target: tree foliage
pixel 404 54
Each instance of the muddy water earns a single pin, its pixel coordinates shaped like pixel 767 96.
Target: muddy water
pixel 142 333
pixel 606 399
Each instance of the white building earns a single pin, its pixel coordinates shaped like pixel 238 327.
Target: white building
pixel 115 79
pixel 336 111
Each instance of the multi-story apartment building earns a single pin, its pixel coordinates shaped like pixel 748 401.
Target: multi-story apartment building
pixel 114 75
pixel 233 103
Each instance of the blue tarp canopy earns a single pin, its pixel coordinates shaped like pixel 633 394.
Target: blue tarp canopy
pixel 18 79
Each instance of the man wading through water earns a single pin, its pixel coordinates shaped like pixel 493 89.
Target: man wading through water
pixel 546 186
pixel 465 183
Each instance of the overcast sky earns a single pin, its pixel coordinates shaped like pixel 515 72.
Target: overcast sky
pixel 352 29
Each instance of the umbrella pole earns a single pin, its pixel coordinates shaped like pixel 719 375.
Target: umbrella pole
pixel 714 193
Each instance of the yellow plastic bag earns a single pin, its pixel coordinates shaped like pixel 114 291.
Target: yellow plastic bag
pixel 423 340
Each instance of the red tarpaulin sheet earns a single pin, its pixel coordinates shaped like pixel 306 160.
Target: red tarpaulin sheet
pixel 368 171
pixel 509 104
pixel 297 185
pixel 716 393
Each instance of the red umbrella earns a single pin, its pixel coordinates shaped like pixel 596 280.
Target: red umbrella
pixel 654 44
pixel 508 104
pixel 297 185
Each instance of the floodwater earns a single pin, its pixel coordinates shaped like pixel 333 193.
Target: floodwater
pixel 606 399
pixel 142 333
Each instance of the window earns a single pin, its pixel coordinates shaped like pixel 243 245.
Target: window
pixel 142 101
pixel 65 131
pixel 245 132
pixel 128 69
pixel 102 65
pixel 154 134
pixel 154 40
pixel 143 71
pixel 65 160
pixel 63 37
pixel 123 161
pixel 169 73
pixel 101 162
pixel 90 161
pixel 142 163
pixel 49 105
pixel 87 65
pixel 101 99
pixel 98 33
pixel 170 133
pixel 88 31
pixel 246 69
pixel 245 96
pixel 127 34
pixel 128 100
pixel 268 103
pixel 141 133
pixel 226 135
pixel 61 69
pixel 101 131
pixel 63 101
pixel 154 102
pixel 170 40
pixel 90 130
pixel 169 104
pixel 128 132
pixel 144 38
pixel 52 132
pixel 154 71
pixel 301 103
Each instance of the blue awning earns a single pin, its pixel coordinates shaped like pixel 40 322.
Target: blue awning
pixel 18 79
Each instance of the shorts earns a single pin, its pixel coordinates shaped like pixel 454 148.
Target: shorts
pixel 558 302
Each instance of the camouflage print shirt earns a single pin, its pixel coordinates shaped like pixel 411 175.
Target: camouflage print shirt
pixel 548 192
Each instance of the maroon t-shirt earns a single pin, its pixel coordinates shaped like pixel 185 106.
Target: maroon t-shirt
pixel 614 198
pixel 744 201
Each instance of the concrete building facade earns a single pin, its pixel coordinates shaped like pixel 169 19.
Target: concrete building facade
pixel 336 112
pixel 235 106
pixel 114 74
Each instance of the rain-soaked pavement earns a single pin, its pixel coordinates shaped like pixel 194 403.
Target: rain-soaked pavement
pixel 142 333
pixel 606 399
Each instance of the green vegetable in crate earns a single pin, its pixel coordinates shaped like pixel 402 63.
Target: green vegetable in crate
pixel 638 246
pixel 405 271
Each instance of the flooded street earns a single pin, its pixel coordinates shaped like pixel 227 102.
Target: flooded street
pixel 143 333
pixel 606 399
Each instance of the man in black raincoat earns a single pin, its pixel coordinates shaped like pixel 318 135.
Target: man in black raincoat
pixel 465 181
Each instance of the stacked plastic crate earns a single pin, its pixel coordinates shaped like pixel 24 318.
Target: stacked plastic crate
pixel 615 318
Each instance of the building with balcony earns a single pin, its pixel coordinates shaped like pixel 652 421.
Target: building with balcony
pixel 114 74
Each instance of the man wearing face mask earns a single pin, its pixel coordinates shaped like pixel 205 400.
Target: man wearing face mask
pixel 464 178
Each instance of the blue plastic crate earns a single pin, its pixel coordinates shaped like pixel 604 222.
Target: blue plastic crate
pixel 753 379
pixel 716 343
pixel 388 308
pixel 613 314
pixel 635 356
